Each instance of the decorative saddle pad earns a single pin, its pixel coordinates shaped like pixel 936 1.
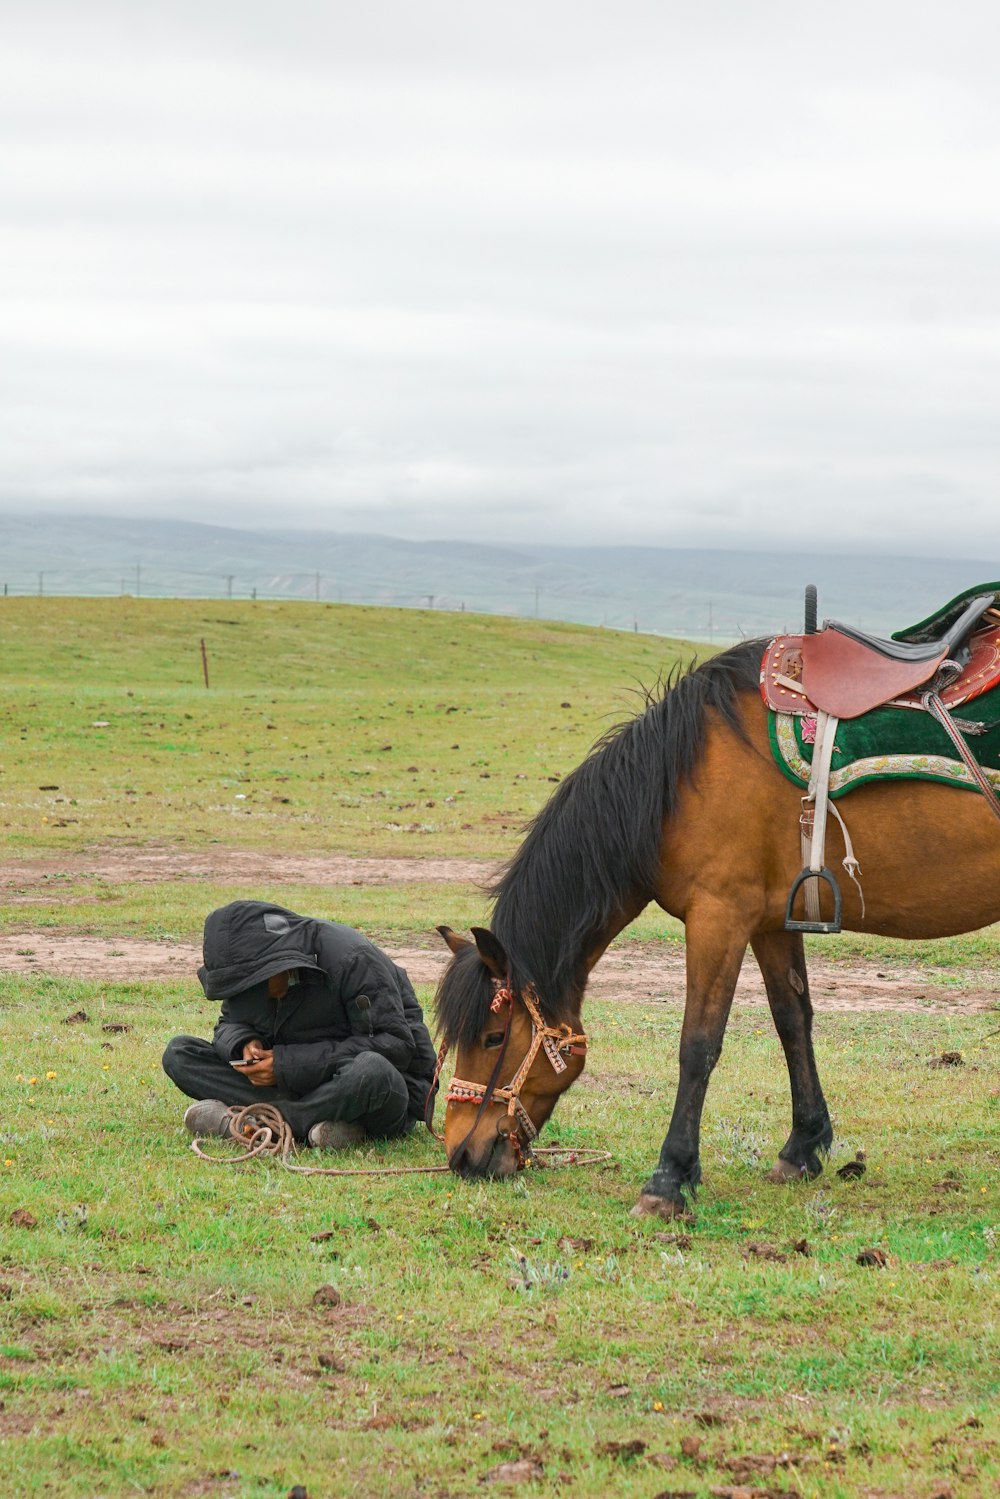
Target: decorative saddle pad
pixel 890 743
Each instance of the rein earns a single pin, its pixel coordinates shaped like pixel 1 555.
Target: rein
pixel 487 1095
pixel 555 1041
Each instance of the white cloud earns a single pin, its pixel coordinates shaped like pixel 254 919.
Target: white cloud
pixel 662 271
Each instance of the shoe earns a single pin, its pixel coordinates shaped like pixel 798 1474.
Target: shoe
pixel 210 1116
pixel 334 1135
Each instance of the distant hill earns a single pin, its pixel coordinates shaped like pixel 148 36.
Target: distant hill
pixel 703 595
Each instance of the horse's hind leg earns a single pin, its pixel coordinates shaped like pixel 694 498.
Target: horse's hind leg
pixel 781 957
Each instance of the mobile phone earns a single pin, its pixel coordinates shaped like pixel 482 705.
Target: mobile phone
pixel 250 1061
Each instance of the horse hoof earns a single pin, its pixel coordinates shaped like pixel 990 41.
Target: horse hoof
pixel 649 1206
pixel 783 1172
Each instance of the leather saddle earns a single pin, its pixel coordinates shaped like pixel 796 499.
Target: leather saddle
pixel 845 672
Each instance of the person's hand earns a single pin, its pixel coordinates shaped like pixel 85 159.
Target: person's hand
pixel 261 1074
pixel 254 1050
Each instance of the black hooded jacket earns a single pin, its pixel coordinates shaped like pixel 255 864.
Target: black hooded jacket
pixel 349 998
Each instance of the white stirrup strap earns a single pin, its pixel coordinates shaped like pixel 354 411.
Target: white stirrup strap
pixel 816 807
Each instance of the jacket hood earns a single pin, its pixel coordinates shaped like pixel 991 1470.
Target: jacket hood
pixel 249 941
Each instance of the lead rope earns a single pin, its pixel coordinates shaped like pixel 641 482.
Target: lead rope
pixel 264 1131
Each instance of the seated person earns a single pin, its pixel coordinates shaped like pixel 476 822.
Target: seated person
pixel 315 1020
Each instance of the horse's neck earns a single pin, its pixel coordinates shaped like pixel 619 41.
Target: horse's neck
pixel 570 991
pixel 617 924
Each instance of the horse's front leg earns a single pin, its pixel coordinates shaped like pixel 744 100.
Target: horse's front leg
pixel 714 955
pixel 782 961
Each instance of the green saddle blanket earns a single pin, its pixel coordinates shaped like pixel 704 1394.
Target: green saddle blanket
pixel 888 744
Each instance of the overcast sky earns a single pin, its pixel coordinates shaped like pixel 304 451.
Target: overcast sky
pixel 672 272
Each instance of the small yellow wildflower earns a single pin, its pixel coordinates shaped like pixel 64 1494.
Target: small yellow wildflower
pixel 8 1162
pixel 657 1405
pixel 32 1081
pixel 51 1075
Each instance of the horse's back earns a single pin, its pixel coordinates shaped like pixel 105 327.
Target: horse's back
pixel 928 853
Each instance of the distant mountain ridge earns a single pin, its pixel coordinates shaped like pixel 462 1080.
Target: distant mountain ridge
pixel 697 594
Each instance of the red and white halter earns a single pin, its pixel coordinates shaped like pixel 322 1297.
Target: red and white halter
pixel 557 1041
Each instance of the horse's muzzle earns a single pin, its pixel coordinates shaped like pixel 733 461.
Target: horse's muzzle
pixel 497 1158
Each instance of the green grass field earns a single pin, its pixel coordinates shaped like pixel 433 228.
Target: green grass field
pixel 158 1332
pixel 354 729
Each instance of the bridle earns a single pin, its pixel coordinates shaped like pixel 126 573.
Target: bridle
pixel 557 1042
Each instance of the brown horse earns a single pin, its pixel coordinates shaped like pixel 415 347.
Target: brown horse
pixel 684 806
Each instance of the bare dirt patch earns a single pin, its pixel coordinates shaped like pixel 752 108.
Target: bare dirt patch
pixel 639 972
pixel 644 972
pixel 156 863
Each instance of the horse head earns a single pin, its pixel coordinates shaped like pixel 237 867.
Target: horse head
pixel 512 1062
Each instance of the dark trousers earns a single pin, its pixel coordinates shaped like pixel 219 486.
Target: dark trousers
pixel 369 1091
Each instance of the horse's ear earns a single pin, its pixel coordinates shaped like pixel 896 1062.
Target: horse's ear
pixel 454 941
pixel 491 952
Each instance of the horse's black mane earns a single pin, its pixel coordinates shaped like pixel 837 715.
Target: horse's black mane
pixel 594 847
pixel 463 998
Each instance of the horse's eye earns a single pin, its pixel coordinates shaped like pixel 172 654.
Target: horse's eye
pixel 493 1040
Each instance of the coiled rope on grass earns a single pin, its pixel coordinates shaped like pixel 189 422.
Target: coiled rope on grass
pixel 262 1130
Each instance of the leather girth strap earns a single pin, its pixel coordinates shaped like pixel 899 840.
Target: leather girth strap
pixel 934 706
